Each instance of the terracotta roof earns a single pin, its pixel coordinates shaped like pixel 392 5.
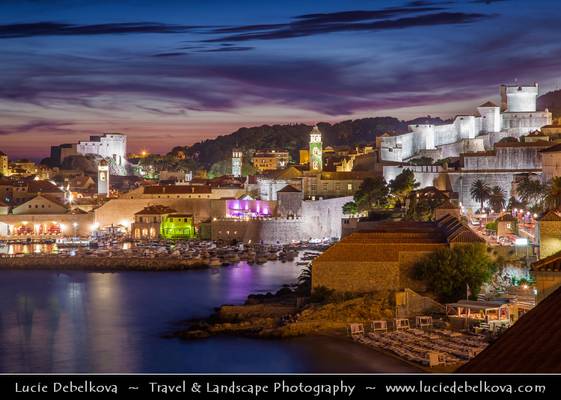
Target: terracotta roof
pixel 289 189
pixel 291 172
pixel 532 344
pixel 537 143
pixel 552 149
pixel 181 215
pixel 177 189
pixel 384 240
pixel 156 210
pixel 506 218
pixel 551 263
pixel 550 215
pixel 42 187
pixel 488 104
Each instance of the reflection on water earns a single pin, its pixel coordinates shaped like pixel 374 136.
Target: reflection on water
pixel 113 322
pixel 31 248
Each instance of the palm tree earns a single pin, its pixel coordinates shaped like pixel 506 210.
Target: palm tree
pixel 497 198
pixel 553 196
pixel 530 191
pixel 480 192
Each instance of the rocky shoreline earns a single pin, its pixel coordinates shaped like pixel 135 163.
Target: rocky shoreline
pixel 57 262
pixel 285 314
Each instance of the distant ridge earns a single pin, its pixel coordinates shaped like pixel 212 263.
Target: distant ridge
pixel 294 137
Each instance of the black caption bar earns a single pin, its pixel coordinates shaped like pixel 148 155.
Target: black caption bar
pixel 280 386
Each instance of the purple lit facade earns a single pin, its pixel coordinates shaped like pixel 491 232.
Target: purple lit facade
pixel 249 208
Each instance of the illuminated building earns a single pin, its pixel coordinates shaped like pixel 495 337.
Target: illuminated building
pixel 237 160
pixel 315 155
pixel 103 178
pixel 270 160
pixel 3 164
pixel 177 226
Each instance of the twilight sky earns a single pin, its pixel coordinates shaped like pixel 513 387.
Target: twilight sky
pixel 174 72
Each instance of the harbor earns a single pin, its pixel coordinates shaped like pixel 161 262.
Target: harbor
pixel 152 255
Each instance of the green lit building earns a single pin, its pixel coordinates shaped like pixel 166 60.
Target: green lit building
pixel 316 151
pixel 177 226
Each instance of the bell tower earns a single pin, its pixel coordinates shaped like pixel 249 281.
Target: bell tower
pixel 237 158
pixel 103 178
pixel 316 151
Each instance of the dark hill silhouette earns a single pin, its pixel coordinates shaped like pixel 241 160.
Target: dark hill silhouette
pixel 294 137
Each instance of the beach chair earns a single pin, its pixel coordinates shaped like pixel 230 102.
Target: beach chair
pixel 356 330
pixel 379 326
pixel 401 324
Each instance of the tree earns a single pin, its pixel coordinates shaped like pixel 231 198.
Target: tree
pixel 448 271
pixel 497 199
pixel 350 208
pixel 403 185
pixel 530 191
pixel 422 203
pixel 553 193
pixel 372 193
pixel 422 161
pixel 305 279
pixel 480 192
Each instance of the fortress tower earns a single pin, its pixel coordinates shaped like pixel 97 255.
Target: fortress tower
pixel 316 151
pixel 237 158
pixel 490 117
pixel 516 98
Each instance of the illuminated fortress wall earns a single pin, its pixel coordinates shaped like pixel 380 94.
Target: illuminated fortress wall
pixel 516 117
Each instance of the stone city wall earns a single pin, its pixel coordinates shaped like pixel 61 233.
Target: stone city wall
pixel 322 218
pixel 357 277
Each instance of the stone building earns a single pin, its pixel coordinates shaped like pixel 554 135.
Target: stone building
pixel 45 217
pixel 551 162
pixel 270 160
pixel 18 191
pixel 548 233
pixel 382 258
pixel 4 170
pixel 147 222
pixel 506 225
pixel 547 275
pixel 289 202
pixel 270 183
pixel 112 146
pixel 332 184
pixel 177 226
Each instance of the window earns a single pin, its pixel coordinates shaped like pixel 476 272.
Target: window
pixel 350 187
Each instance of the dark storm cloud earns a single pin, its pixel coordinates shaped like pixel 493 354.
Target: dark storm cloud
pixel 331 23
pixel 9 31
pixel 171 54
pixel 52 126
pixel 226 49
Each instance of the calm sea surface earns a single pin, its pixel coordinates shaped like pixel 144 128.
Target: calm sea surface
pixel 113 322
